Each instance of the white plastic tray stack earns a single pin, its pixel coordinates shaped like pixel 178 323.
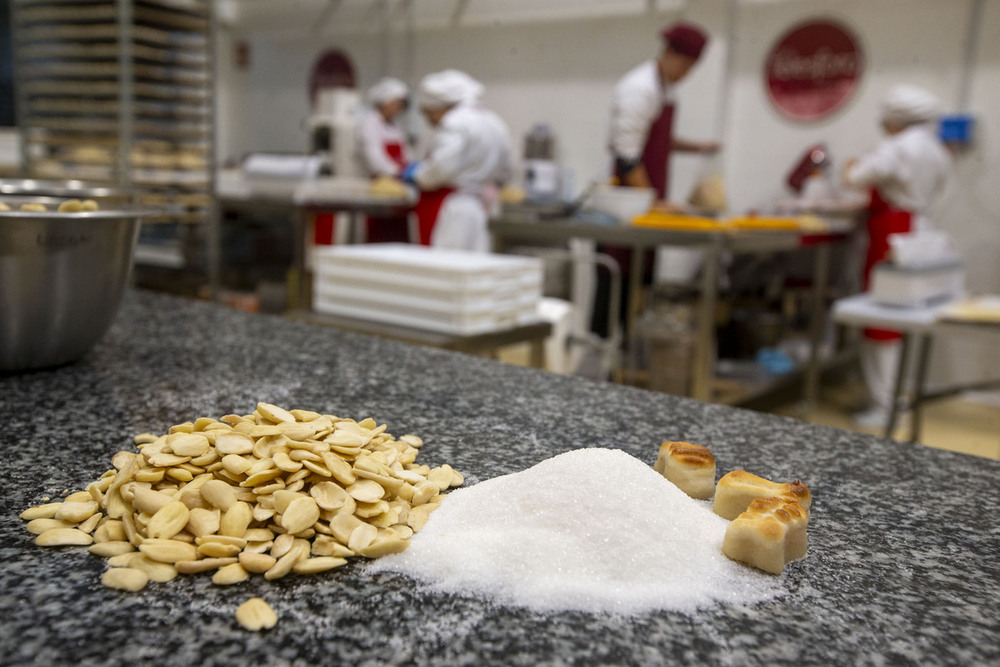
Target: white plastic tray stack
pixel 447 291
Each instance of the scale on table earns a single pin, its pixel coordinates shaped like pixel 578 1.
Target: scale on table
pixel 923 269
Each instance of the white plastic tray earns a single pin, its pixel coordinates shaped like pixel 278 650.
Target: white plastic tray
pixel 460 323
pixel 426 302
pixel 431 267
pixel 498 291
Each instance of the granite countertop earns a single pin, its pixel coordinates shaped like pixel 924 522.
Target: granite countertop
pixel 902 566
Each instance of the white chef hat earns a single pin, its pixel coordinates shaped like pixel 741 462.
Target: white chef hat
pixel 387 90
pixel 906 104
pixel 443 89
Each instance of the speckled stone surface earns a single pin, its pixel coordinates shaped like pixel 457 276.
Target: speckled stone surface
pixel 903 565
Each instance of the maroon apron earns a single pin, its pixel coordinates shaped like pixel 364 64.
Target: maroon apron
pixel 656 154
pixel 391 229
pixel 883 219
pixel 656 159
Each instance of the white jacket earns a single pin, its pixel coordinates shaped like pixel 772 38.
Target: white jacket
pixel 638 99
pixel 909 169
pixel 470 151
pixel 371 136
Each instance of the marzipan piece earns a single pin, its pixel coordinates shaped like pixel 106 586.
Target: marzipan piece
pixel 737 489
pixel 690 467
pixel 769 534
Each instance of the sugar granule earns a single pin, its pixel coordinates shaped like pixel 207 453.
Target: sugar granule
pixel 593 530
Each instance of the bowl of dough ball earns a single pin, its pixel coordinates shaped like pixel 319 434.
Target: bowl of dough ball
pixel 65 263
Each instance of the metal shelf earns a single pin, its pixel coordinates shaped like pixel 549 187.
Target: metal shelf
pixel 121 91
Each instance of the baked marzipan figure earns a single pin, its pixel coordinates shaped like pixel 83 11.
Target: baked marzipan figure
pixel 689 467
pixel 737 489
pixel 769 534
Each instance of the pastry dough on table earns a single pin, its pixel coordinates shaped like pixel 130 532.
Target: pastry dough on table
pixel 389 188
pixel 737 489
pixel 689 467
pixel 769 534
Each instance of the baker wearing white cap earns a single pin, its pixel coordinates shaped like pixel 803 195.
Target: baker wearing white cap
pixel 470 154
pixel 381 151
pixel 905 173
pixel 381 145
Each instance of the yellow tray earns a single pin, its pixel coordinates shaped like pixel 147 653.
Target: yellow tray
pixel 674 221
pixel 808 223
pixel 753 222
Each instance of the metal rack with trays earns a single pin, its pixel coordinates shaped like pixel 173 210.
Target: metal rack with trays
pixel 120 91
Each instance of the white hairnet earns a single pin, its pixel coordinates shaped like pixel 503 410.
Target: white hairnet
pixel 906 104
pixel 387 90
pixel 443 89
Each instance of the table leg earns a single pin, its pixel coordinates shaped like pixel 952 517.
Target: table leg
pixel 817 318
pixel 357 227
pixel 537 358
pixel 923 359
pixel 300 223
pixel 701 383
pixel 897 391
pixel 636 271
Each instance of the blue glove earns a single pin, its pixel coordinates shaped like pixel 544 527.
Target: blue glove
pixel 408 173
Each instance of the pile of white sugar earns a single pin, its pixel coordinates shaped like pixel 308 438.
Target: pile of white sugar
pixel 593 529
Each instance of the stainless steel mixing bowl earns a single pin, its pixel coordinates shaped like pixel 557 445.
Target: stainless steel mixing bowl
pixel 106 196
pixel 62 278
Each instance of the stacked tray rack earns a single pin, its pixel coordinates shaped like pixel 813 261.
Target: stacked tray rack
pixel 121 91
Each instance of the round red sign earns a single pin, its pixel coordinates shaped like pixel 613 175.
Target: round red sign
pixel 813 70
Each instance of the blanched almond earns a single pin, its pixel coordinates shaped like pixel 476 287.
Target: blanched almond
pixel 168 520
pixel 258 563
pixel 255 614
pixel 125 579
pixel 60 537
pixel 218 494
pixel 230 574
pixel 168 551
pixel 46 511
pixel 109 549
pixel 300 514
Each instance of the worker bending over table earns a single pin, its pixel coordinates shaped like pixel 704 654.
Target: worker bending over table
pixel 905 173
pixel 642 113
pixel 641 137
pixel 382 151
pixel 470 156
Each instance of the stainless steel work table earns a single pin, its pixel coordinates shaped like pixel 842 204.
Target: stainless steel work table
pixel 299 208
pixel 508 231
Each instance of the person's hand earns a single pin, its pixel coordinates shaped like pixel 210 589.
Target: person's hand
pixel 709 147
pixel 407 175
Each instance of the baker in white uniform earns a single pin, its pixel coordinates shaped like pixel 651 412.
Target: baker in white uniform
pixel 641 139
pixel 470 155
pixel 380 144
pixel 905 174
pixel 381 151
pixel 642 112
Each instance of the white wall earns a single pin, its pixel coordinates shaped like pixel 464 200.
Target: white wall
pixel 562 73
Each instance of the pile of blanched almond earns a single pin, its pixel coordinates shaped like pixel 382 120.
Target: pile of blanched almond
pixel 272 492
